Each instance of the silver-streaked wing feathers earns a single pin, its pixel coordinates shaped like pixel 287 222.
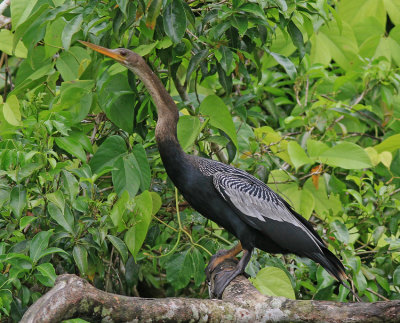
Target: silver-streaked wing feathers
pixel 257 204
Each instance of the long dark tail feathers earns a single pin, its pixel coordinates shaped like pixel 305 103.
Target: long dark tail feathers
pixel 333 266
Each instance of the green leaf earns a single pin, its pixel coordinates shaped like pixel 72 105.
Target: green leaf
pixel 316 148
pixel 178 269
pixel 125 175
pixel 152 13
pixel 346 155
pixel 70 184
pixel 20 11
pixel 11 111
pixel 157 202
pixel 273 281
pixel 226 59
pixel 142 166
pixel 52 250
pixel 120 246
pixel 62 218
pixel 71 146
pixel 71 28
pixel 286 63
pixel 340 231
pixel 220 117
pixel 359 281
pixel 80 256
pixel 119 210
pixel 48 274
pixel 6 44
pixel 108 153
pixel 25 221
pixel 297 154
pixel 297 38
pixel 195 61
pixel 38 244
pixel 175 21
pixel 58 199
pixel 52 39
pixel 18 200
pixel 135 236
pixel 396 276
pixel 188 130
pixel 390 144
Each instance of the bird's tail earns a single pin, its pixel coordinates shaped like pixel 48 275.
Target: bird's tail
pixel 333 266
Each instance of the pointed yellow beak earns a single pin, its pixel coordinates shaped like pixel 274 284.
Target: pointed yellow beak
pixel 105 51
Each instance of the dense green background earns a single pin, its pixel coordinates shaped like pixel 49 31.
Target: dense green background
pixel 302 94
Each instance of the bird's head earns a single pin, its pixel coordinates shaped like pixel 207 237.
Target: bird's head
pixel 124 56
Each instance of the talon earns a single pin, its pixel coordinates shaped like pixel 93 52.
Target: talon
pixel 224 276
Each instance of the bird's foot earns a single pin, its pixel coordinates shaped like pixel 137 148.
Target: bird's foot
pixel 220 256
pixel 222 278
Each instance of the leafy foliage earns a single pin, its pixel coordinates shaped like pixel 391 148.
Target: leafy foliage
pixel 302 94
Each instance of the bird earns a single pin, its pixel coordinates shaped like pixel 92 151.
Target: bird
pixel 234 199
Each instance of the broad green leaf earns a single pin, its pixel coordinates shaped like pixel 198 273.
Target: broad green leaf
pixel 346 155
pixel 108 153
pixel 302 200
pixel 220 117
pixel 241 23
pixel 62 218
pixel 359 281
pixel 143 166
pixel 188 130
pixel 390 144
pixel 11 111
pixel 6 44
pixel 135 236
pixel 53 37
pixel 386 158
pixel 273 281
pixel 18 200
pixel 58 199
pixel 396 276
pixel 198 265
pixel 120 246
pixel 175 20
pixel 340 231
pixel 152 13
pixel 297 38
pixel 226 59
pixel 25 221
pixel 125 175
pixel 80 256
pixel 119 210
pixel 297 154
pixel 70 184
pixel 38 244
pixel 286 63
pixel 52 250
pixel 20 11
pixel 194 63
pixel 76 98
pixel 71 28
pixel 47 274
pixel 71 146
pixel 157 202
pixel 116 99
pixel 179 269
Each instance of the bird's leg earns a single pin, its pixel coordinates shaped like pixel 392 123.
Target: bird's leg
pixel 224 277
pixel 220 256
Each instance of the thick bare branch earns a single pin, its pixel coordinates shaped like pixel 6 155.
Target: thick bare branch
pixel 74 297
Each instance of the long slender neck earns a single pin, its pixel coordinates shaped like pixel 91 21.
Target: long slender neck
pixel 166 129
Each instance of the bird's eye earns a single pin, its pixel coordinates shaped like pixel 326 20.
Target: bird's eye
pixel 123 53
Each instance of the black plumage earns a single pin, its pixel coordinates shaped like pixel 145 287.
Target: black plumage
pixel 232 198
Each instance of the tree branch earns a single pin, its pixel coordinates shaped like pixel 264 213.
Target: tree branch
pixel 72 297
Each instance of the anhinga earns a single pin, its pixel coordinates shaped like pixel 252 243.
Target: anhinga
pixel 232 198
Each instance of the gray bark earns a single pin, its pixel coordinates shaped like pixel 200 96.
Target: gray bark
pixel 73 297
